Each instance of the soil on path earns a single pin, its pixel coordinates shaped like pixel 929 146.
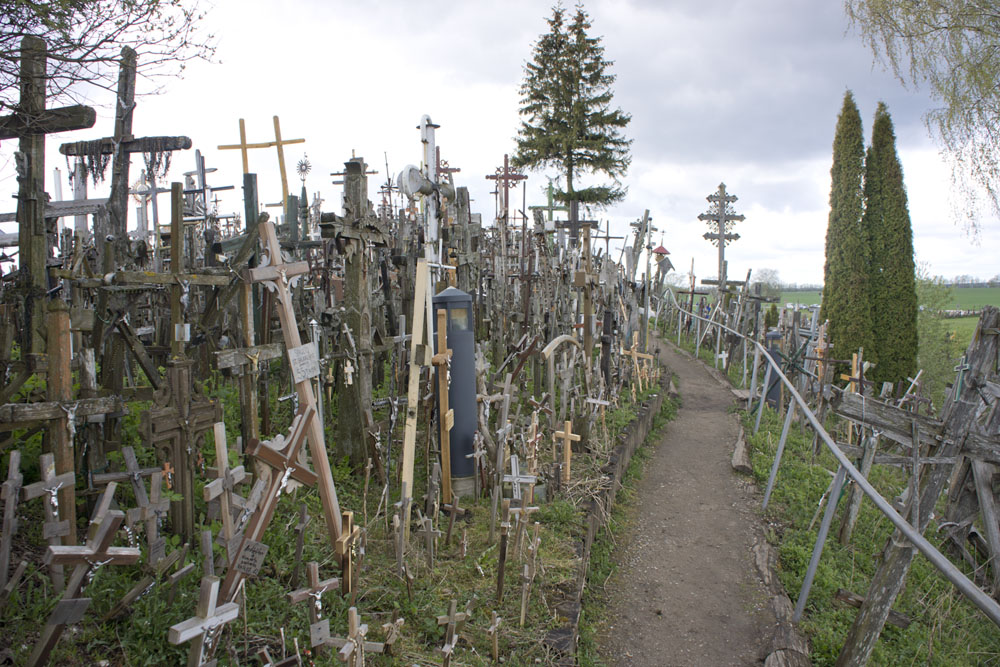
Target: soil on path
pixel 687 592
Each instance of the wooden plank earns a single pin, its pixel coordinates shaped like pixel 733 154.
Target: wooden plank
pixel 983 474
pixel 413 388
pixel 17 413
pixel 854 600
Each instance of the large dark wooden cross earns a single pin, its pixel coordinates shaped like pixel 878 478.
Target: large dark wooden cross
pixel 29 123
pixel 173 426
pixel 574 224
pixel 120 146
pixel 720 218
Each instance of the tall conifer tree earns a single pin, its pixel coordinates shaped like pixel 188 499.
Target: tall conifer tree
pixel 845 285
pixel 567 118
pixel 892 280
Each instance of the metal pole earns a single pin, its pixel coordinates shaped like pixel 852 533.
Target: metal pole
pixel 763 393
pixel 831 507
pixel 777 454
pixel 753 377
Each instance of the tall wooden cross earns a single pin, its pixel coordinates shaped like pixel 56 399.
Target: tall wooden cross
pixel 504 177
pixel 720 218
pixel 446 416
pixel 48 487
pixel 225 481
pixel 29 124
pixel 120 146
pixel 568 438
pixel 278 143
pixel 277 276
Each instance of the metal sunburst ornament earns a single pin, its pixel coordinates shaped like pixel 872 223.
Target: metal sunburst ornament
pixel 303 167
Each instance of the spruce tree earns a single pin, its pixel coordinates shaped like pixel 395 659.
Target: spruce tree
pixel 845 282
pixel 567 118
pixel 892 280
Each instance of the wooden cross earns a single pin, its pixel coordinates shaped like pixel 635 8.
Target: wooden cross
pixel 275 274
pixel 494 632
pixel 516 478
pixel 502 553
pixel 151 509
pixel 453 511
pixel 29 124
pixel 528 576
pixel 961 368
pixel 505 176
pixel 391 631
pixel 278 143
pixel 11 490
pixel 568 437
pixel 168 474
pixel 352 651
pixel 225 481
pixel 314 591
pixel 720 218
pixel 209 617
pixel 173 426
pixel 430 535
pixel 96 553
pixel 344 549
pixel 446 416
pixel 453 622
pixel 48 488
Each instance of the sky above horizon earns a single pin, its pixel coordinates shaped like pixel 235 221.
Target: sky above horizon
pixel 745 93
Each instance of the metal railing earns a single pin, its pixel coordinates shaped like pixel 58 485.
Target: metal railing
pixel 846 469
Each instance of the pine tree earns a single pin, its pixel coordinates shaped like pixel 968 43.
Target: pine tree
pixel 567 119
pixel 845 285
pixel 892 280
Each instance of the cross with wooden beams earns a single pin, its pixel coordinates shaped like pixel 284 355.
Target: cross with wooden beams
pixel 344 548
pixel 517 478
pixel 552 206
pixel 504 178
pixel 574 224
pixel 304 363
pixel 225 481
pixel 443 168
pixel 10 493
pixel 278 143
pixel 282 453
pixel 181 414
pixel 314 591
pixel 454 511
pixel 636 356
pixel 720 218
pixel 446 416
pixel 29 123
pixel 430 535
pixel 568 438
pixel 97 553
pixel 453 621
pixel 353 647
pixel 208 619
pixel 48 488
pixel 494 632
pixel 961 369
pixel 151 509
pixel 120 146
pixel 606 237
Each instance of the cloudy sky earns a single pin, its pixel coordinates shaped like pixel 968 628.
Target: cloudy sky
pixel 745 92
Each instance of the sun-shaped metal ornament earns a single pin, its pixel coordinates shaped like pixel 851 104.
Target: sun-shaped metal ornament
pixel 303 167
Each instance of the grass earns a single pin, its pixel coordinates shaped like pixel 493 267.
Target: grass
pixel 138 637
pixel 964 298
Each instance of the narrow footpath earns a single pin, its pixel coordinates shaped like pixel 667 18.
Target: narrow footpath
pixel 687 591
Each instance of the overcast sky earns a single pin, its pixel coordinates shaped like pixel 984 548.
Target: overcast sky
pixel 745 92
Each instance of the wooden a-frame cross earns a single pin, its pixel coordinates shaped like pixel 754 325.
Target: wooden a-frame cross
pixel 278 143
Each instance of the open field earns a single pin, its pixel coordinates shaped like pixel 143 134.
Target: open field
pixel 962 297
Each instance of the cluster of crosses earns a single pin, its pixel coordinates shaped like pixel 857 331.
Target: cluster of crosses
pixel 326 305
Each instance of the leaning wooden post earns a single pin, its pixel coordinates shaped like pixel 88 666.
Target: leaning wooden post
pixel 60 390
pixel 446 416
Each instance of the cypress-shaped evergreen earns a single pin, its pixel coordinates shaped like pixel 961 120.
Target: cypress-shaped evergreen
pixel 892 280
pixel 846 288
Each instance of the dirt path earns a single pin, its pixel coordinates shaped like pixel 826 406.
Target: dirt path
pixel 687 592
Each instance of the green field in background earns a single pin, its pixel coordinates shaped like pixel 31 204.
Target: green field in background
pixel 962 297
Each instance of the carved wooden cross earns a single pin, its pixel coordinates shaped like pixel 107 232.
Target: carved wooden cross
pixel 151 509
pixel 173 426
pixel 568 438
pixel 314 591
pixel 517 478
pixel 30 123
pixel 275 274
pixel 353 650
pixel 505 177
pixel 209 617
